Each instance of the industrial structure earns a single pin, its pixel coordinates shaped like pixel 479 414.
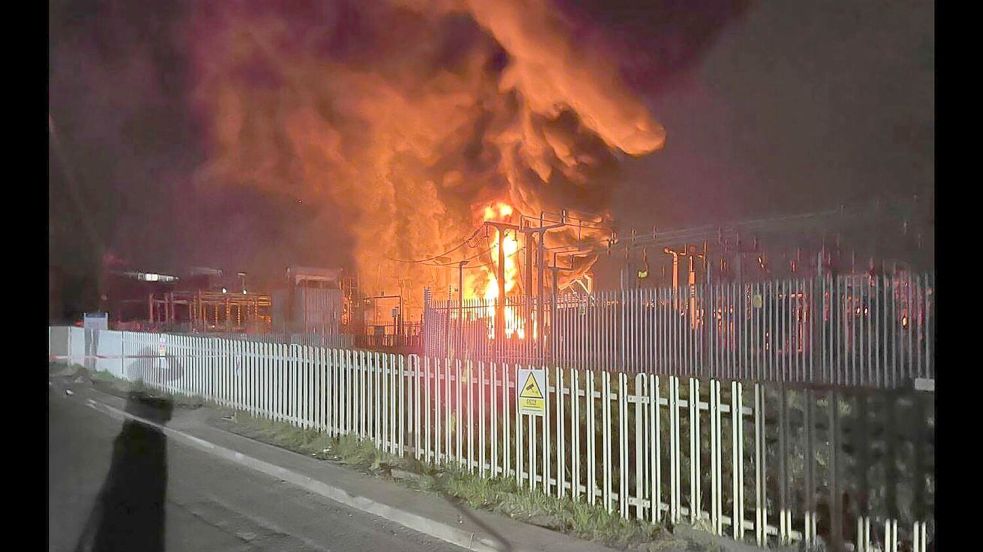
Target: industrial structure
pixel 197 300
pixel 886 242
pixel 312 301
pixel 866 249
pixel 307 301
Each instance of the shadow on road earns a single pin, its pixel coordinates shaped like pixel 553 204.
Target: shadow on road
pixel 504 544
pixel 129 511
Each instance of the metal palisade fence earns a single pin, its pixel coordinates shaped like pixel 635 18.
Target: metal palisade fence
pixel 853 331
pixel 759 462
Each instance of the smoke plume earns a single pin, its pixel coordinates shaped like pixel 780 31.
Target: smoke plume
pixel 401 121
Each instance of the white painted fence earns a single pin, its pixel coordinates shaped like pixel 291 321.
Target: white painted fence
pixel 658 448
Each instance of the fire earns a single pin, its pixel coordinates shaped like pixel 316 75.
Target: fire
pixel 396 126
pixel 513 323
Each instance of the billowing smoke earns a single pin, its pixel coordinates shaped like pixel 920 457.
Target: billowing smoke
pixel 411 116
pixel 400 121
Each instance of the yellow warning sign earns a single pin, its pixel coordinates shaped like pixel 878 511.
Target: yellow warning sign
pixel 531 389
pixel 532 400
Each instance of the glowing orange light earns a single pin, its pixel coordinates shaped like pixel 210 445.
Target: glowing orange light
pixel 514 324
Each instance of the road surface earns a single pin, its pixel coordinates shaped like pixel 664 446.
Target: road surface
pixel 108 478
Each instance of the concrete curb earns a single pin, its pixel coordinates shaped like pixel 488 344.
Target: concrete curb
pixel 725 544
pixel 442 531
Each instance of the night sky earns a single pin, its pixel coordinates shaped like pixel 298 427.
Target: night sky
pixel 798 107
pixel 772 108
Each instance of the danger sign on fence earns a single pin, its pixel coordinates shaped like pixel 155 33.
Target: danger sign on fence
pixel 532 392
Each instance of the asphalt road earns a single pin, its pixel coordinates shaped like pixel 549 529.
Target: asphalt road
pixel 127 488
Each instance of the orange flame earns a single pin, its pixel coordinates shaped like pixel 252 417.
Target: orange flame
pixel 513 323
pixel 408 146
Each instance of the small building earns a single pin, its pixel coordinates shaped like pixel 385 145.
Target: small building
pixel 311 302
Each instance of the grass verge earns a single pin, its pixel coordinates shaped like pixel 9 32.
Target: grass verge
pixel 497 494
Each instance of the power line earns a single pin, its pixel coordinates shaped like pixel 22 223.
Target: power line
pixel 467 241
pixel 475 256
pixel 435 257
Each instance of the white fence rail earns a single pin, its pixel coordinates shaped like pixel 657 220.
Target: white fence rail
pixel 750 461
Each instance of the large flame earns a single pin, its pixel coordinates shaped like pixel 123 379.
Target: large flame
pixel 510 247
pixel 355 132
pixel 414 122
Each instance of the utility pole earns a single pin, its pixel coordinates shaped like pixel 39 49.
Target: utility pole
pixel 500 307
pixel 541 292
pixel 527 276
pixel 675 266
pixel 691 253
pixel 501 227
pixel 530 240
pixel 460 290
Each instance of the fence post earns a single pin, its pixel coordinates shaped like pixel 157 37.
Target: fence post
pixel 760 495
pixel 405 409
pixel 674 446
pixel 518 430
pixel 458 405
pixel 784 514
pixel 428 453
pixel 575 434
pixel 623 443
pixel 545 418
pixel 655 452
pixel 448 448
pixel 715 456
pixel 606 435
pixel 561 456
pixel 640 442
pixel 695 473
pixel 494 405
pixel 737 451
pixel 591 440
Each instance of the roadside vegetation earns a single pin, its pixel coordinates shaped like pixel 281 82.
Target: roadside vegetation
pixel 497 494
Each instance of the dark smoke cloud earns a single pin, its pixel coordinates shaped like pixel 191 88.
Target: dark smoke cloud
pixel 557 106
pixel 120 88
pixel 411 117
pixel 117 101
pixel 653 43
